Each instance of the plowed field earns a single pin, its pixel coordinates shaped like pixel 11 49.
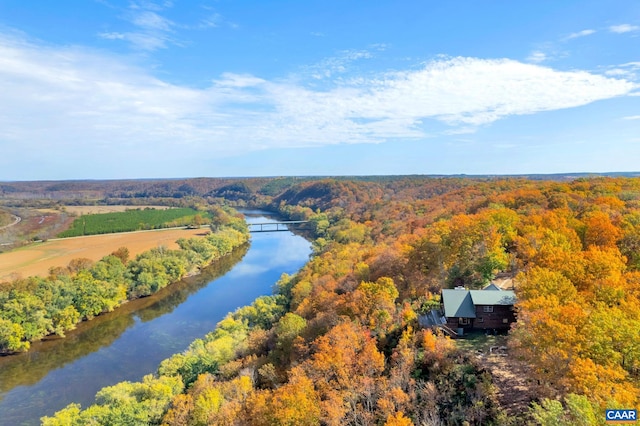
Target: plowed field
pixel 37 258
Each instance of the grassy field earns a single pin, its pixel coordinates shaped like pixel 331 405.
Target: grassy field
pixel 130 220
pixel 6 218
pixel 36 259
pixel 479 341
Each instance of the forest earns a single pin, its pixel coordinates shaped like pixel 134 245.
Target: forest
pixel 339 342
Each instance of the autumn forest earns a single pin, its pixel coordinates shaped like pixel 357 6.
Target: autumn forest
pixel 340 342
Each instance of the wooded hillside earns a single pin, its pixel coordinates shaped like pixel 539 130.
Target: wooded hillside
pixel 339 342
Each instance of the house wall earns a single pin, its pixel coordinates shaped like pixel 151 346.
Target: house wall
pixel 495 319
pixel 453 323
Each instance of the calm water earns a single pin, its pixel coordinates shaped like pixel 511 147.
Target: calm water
pixel 131 342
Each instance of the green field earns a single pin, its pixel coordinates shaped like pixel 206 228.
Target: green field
pixel 132 220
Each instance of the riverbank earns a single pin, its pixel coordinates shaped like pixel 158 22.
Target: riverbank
pixel 37 307
pixel 130 342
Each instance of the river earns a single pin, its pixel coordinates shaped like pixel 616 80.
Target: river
pixel 131 341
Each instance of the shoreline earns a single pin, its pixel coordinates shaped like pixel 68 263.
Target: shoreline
pixel 193 273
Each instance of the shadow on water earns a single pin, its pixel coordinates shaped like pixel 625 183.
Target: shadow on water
pixel 29 368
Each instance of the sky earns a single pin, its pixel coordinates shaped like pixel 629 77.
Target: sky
pixel 106 89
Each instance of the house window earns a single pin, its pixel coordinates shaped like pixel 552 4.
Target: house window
pixel 463 321
pixel 487 309
pixel 479 319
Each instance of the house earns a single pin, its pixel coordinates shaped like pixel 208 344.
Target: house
pixel 488 309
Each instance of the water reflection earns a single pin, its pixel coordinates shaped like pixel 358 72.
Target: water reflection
pixel 130 342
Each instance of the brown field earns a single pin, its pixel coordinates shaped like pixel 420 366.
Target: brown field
pixel 37 258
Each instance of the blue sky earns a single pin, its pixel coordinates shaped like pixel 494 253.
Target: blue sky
pixel 139 89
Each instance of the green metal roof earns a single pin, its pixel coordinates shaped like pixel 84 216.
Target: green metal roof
pixel 461 303
pixel 492 286
pixel 482 297
pixel 458 303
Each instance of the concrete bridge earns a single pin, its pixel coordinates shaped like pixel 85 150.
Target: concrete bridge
pixel 274 226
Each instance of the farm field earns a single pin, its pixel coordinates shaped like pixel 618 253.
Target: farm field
pixel 36 259
pixel 80 210
pixel 132 220
pixel 46 223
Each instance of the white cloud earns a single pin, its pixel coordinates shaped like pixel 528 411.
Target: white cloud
pixel 83 105
pixel 632 117
pixel 150 5
pixel 618 72
pixel 113 36
pixel 579 34
pixel 537 57
pixel 623 28
pixel 476 91
pixel 140 40
pixel 379 46
pixel 338 64
pixel 151 31
pixel 239 80
pixel 628 71
pixel 211 21
pixel 151 21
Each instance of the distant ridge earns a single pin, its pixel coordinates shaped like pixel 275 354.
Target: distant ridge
pixel 535 176
pixel 239 188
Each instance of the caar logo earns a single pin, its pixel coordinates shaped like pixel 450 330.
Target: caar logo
pixel 621 416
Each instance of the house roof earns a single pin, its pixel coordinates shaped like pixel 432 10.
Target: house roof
pixel 492 286
pixel 483 297
pixel 458 303
pixel 461 303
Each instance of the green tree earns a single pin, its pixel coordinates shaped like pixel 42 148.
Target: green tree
pixel 374 302
pixel 12 337
pixel 288 328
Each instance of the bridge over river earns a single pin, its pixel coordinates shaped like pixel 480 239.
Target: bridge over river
pixel 274 226
pixel 130 342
